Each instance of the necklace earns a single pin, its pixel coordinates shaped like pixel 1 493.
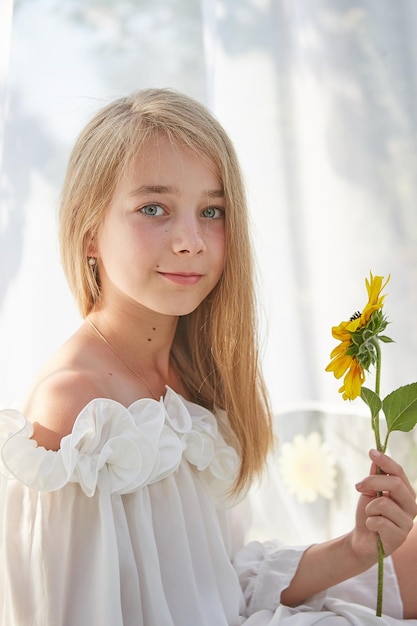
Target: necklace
pixel 121 359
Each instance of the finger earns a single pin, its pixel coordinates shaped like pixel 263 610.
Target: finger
pixel 391 467
pixel 392 529
pixel 391 535
pixel 392 487
pixel 386 508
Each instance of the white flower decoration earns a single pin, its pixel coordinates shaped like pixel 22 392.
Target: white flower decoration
pixel 307 467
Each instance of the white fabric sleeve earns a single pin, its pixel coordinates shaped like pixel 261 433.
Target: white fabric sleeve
pixel 265 570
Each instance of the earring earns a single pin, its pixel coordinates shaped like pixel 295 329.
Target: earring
pixel 92 262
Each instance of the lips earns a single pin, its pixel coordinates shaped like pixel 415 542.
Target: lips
pixel 182 278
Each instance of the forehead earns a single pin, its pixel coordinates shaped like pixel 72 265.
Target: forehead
pixel 163 157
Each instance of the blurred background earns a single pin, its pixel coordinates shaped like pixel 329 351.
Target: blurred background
pixel 320 99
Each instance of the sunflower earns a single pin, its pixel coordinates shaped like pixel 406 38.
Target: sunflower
pixel 358 337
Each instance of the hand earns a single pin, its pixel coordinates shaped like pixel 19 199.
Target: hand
pixel 391 515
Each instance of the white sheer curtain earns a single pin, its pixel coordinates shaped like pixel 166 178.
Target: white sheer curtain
pixel 320 100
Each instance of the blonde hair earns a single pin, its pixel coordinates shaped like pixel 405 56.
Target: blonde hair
pixel 216 346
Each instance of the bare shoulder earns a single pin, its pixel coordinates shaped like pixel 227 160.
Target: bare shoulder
pixel 68 382
pixel 55 403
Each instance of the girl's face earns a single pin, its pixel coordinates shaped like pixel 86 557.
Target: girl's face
pixel 162 242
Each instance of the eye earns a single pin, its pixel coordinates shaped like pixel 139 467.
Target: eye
pixel 213 212
pixel 152 210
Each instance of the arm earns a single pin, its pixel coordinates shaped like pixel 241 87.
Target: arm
pixel 331 562
pixel 405 564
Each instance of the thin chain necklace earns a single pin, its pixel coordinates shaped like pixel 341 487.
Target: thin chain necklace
pixel 121 359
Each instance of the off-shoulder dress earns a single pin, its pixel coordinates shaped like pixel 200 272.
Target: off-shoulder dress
pixel 130 523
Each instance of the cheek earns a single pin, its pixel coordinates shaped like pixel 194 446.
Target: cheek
pixel 216 235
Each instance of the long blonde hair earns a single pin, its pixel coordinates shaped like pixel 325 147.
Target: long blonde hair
pixel 216 346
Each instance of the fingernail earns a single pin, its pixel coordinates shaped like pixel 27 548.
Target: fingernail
pixel 376 453
pixel 359 485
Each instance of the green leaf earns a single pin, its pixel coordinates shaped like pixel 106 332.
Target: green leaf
pixel 385 339
pixel 400 408
pixel 372 400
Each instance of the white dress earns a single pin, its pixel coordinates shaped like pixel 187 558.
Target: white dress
pixel 128 524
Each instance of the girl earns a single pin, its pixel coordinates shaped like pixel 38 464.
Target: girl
pixel 152 420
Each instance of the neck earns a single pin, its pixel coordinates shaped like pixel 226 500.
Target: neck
pixel 143 340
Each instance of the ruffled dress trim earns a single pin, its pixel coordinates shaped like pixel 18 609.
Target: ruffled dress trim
pixel 135 446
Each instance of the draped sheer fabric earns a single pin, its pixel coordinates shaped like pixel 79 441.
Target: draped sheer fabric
pixel 319 98
pixel 128 524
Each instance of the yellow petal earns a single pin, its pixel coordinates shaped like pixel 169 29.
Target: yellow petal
pixel 340 349
pixel 339 365
pixel 341 332
pixel 374 287
pixel 353 381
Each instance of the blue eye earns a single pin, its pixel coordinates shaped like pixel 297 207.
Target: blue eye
pixel 213 212
pixel 152 210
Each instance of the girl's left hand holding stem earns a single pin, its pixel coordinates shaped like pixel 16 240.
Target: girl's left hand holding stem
pixel 391 516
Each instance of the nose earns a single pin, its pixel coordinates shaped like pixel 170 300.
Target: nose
pixel 187 237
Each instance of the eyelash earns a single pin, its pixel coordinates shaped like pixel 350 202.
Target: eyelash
pixel 219 212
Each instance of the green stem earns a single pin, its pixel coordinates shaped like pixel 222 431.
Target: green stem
pixel 381 448
pixel 380 578
pixel 375 419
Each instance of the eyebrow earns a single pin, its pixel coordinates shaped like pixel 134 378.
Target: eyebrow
pixel 169 189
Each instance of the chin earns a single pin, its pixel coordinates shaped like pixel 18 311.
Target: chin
pixel 177 310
